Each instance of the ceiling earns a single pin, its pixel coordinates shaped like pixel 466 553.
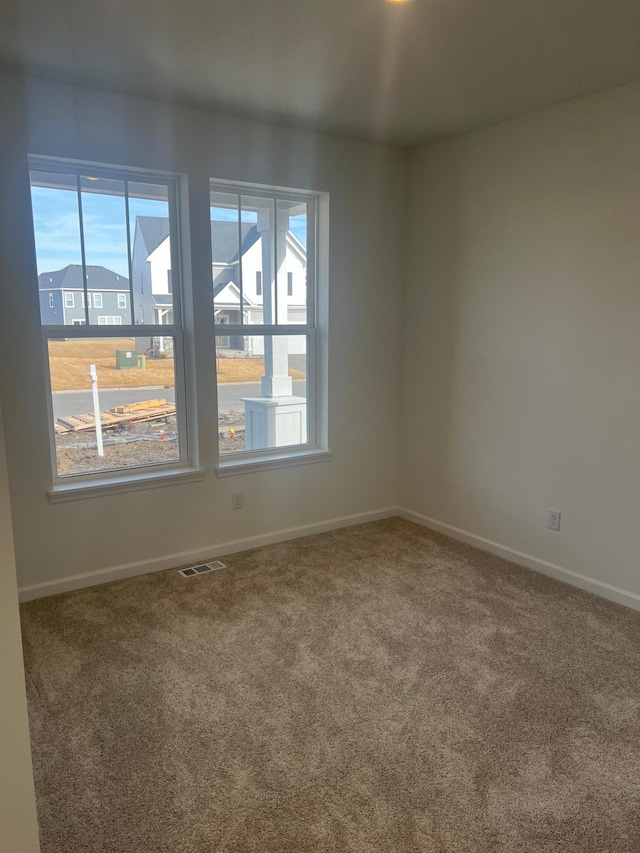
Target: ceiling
pixel 403 73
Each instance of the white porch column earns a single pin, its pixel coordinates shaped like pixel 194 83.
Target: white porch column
pixel 276 381
pixel 278 418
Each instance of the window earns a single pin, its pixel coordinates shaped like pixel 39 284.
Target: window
pixel 51 300
pixel 261 234
pixel 289 284
pixel 113 222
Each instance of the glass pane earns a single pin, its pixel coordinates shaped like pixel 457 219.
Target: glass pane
pixel 257 265
pixel 151 272
pixel 228 298
pixel 135 400
pixel 104 223
pixel 60 224
pixel 291 253
pixel 56 224
pixel 262 394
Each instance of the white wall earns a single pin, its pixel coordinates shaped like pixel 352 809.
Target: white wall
pixel 18 826
pixel 522 336
pixel 366 186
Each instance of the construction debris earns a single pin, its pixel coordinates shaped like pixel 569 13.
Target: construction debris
pixel 149 410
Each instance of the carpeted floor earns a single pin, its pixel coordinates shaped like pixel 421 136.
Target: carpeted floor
pixel 379 688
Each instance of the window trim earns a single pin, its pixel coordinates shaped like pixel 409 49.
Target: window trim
pixel 122 297
pixel 98 300
pixel 70 486
pixel 69 303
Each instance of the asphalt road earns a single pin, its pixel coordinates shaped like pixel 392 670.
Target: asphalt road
pixel 81 402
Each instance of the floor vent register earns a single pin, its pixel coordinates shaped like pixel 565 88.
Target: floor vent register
pixel 204 569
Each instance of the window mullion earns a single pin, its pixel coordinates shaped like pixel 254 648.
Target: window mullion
pixel 129 258
pixel 82 251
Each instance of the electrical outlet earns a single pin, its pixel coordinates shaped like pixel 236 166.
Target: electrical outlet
pixel 554 519
pixel 237 500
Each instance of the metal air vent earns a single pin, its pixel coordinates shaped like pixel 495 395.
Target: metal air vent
pixel 204 569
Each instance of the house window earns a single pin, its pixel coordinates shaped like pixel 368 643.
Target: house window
pixel 289 284
pixel 122 300
pixel 51 300
pixel 113 222
pixel 262 233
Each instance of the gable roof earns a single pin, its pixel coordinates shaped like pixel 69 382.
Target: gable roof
pixel 226 289
pixel 98 278
pixel 224 237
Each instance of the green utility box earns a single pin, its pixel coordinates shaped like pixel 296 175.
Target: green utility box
pixel 126 359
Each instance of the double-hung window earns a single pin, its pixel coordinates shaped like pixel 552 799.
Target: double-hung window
pixel 116 381
pixel 264 251
pixel 114 360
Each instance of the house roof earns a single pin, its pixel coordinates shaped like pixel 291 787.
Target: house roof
pixel 98 278
pixel 224 237
pixel 231 288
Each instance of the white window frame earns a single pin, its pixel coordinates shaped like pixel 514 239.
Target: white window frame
pixel 109 320
pixel 315 449
pixel 122 301
pixel 86 300
pixel 69 302
pixel 73 486
pixel 51 300
pixel 97 300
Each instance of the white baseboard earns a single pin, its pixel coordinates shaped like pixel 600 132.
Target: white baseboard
pixel 600 588
pixel 185 558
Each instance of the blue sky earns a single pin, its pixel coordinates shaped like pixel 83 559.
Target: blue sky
pixel 57 231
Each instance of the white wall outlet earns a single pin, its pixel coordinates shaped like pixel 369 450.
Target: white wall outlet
pixel 237 500
pixel 554 519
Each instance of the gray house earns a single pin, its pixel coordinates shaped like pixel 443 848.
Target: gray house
pixel 62 297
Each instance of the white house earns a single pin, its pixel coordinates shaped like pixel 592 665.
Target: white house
pixel 237 280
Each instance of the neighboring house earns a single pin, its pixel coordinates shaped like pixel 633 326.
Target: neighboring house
pixel 152 288
pixel 62 297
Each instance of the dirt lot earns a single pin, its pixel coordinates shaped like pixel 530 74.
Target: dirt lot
pixel 69 362
pixel 148 443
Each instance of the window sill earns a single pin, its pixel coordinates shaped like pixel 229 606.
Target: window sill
pixel 231 467
pixel 118 483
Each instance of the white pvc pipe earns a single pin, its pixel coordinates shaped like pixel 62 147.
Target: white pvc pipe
pixel 96 408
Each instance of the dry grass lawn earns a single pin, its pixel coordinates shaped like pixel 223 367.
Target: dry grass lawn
pixel 70 360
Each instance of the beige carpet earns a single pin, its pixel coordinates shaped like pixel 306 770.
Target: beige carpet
pixel 379 688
